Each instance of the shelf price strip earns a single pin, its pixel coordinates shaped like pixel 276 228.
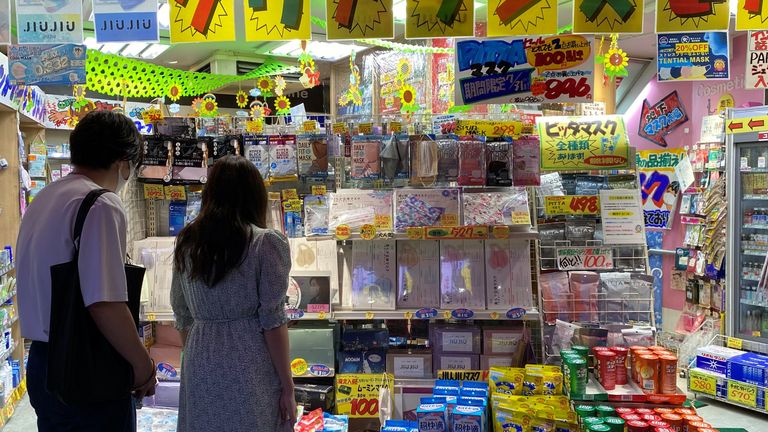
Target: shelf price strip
pixel 742 393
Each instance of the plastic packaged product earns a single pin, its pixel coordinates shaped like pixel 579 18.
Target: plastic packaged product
pixel 569 183
pixel 293 223
pixel 257 151
pixel 468 418
pixel 496 208
pixel 471 163
pixel 282 155
pixel 400 426
pixel 358 207
pixel 426 207
pixel 225 146
pixel 508 274
pixel 418 274
pixel 640 301
pixel 462 274
pixel 310 422
pixel 584 287
pixel 526 165
pixel 315 215
pixel 395 158
pixel 335 423
pixel 424 157
pixel 498 156
pixel 563 335
pixel 580 231
pixel 557 300
pixel 549 236
pixel 190 159
pixel 312 155
pixel 622 181
pixel 194 202
pixel 366 161
pixel 432 417
pixel 447 161
pixel 156 159
pixel 590 184
pixel 373 275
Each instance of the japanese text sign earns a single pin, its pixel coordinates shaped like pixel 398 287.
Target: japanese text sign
pixel 46 64
pixel 661 118
pixel 659 188
pixel 357 395
pixel 757 60
pixel 572 205
pixel 569 143
pixel 693 56
pixel 584 258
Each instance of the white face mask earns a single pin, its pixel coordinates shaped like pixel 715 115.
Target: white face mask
pixel 122 181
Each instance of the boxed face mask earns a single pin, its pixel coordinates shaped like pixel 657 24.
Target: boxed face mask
pixel 190 159
pixel 455 339
pixel 225 146
pixel 526 171
pixel 462 274
pixel 155 159
pixel 442 361
pixel 366 158
pixel 426 207
pixel 418 274
pixel 359 207
pixel 282 155
pixel 257 151
pixel 373 275
pixel 312 156
pixel 508 274
pixel 409 364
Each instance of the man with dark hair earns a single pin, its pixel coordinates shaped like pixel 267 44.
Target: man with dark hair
pixel 105 148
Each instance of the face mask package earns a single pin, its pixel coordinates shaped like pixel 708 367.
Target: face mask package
pixel 257 151
pixel 194 202
pixel 584 287
pixel 642 285
pixel 190 159
pixel 156 159
pixel 499 158
pixel 418 274
pixel 471 163
pixel 580 231
pixel 525 162
pixel 366 162
pixel 225 146
pixel 274 211
pixel 315 215
pixel 590 184
pixel 615 289
pixel 549 235
pixel 312 156
pixel 182 127
pixel 282 155
pixel 622 181
pixel 447 161
pixel 358 207
pixel 424 160
pixel 551 185
pixel 569 183
pixel 426 207
pixel 462 274
pixel 557 300
pixel 507 274
pixel 373 275
pixel 316 255
pixel 395 159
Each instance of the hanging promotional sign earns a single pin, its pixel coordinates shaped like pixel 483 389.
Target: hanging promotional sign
pixel 5 22
pixel 522 17
pixel 202 21
pixel 608 16
pixel 583 143
pixel 46 64
pixel 439 18
pixel 552 69
pixel 622 221
pixel 359 19
pixel 56 22
pixel 659 187
pixel 662 118
pixel 357 395
pixel 751 15
pixel 125 20
pixel 693 57
pixel 584 258
pixel 757 60
pixel 277 20
pixel 691 16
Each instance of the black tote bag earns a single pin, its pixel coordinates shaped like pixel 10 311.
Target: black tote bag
pixel 83 367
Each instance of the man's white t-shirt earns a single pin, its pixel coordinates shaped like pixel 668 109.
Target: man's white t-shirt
pixel 45 239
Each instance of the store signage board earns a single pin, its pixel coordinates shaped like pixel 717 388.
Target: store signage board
pixel 751 15
pixel 578 143
pixel 747 124
pixel 489 128
pixel 125 21
pixel 756 75
pixel 357 395
pixel 622 218
pixel 659 186
pixel 522 18
pixel 742 393
pixel 427 19
pixel 661 118
pixel 572 205
pixel 526 70
pixel 202 21
pixel 463 375
pixel 686 16
pixel 359 19
pixel 59 22
pixel 608 16
pixel 584 258
pixel 693 56
pixel 47 64
pixel 276 20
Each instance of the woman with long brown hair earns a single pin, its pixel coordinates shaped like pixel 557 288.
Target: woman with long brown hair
pixel 228 294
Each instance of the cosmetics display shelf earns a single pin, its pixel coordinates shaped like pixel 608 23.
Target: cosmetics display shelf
pixel 9 352
pixel 718 387
pixel 6 269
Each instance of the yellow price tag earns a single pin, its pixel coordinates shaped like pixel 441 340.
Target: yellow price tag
pixel 290 194
pixel 447 314
pixel 319 190
pixel 343 232
pixel 500 232
pixel 368 232
pixel 309 126
pixel 299 367
pixel 415 233
pixel 321 315
pixel 369 315
pixel 702 382
pixel 494 315
pixel 756 333
pixel 365 128
pixel 153 191
pixel 151 317
pixel 175 193
pixel 339 128
pixel 254 126
pixel 408 315
pixel 395 127
pixel 735 343
pixel 742 393
pixel 521 218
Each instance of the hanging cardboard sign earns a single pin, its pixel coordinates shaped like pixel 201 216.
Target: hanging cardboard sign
pixel 659 187
pixel 202 21
pixel 47 64
pixel 690 16
pixel 751 15
pixel 277 20
pixel 693 56
pixel 608 16
pixel 622 219
pixel 757 60
pixel 359 19
pixel 662 118
pixel 56 22
pixel 439 18
pixel 584 258
pixel 552 69
pixel 125 21
pixel 576 143
pixel 357 395
pixel 522 17
pixel 5 22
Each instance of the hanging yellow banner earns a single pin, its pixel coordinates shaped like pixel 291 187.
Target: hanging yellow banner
pixel 586 142
pixel 202 21
pixel 359 19
pixel 751 15
pixel 277 20
pixel 439 18
pixel 678 16
pixel 608 16
pixel 522 17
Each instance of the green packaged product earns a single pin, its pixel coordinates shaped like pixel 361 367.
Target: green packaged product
pixel 605 411
pixel 615 423
pixel 581 349
pixel 575 375
pixel 585 411
pixel 589 421
pixel 564 353
pixel 599 428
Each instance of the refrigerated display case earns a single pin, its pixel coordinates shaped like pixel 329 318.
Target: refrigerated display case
pixel 747 176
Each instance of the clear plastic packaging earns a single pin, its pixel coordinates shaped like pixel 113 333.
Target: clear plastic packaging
pixel 447 161
pixel 373 275
pixel 312 156
pixel 462 274
pixel 526 164
pixel 556 296
pixel 315 215
pixel 496 208
pixel 257 151
pixel 584 286
pixel 418 274
pixel 498 155
pixel 471 163
pixel 426 207
pixel 357 208
pixel 366 158
pixel 395 158
pixel 424 158
pixel 282 154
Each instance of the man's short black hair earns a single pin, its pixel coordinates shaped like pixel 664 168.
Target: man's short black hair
pixel 102 138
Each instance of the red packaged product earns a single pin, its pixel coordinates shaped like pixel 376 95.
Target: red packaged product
pixel 661 411
pixel 635 365
pixel 650 417
pixel 675 421
pixel 630 417
pixel 692 419
pixel 708 430
pixel 622 410
pixel 685 411
pixel 658 424
pixel 638 426
pixel 644 411
pixel 667 374
pixel 663 429
pixel 605 366
pixel 621 364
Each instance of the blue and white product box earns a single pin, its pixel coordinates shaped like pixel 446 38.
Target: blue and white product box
pixel 468 418
pixel 400 426
pixel 749 368
pixel 432 417
pixel 714 358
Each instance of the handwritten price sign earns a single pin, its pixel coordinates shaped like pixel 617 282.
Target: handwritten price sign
pixel 703 383
pixel 489 128
pixel 572 205
pixel 153 191
pixel 742 393
pixel 584 258
pixel 175 193
pixel 457 233
pixel 357 395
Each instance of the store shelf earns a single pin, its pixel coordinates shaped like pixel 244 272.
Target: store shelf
pixel 10 406
pixel 753 303
pixel 755 197
pixel 629 392
pixel 7 269
pixel 515 232
pixel 755 253
pixel 756 226
pixel 716 386
pixel 29 122
pixel 5 299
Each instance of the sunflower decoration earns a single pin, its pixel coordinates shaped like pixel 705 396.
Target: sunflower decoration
pixel 614 61
pixel 309 77
pixel 242 99
pixel 258 110
pixel 282 105
pixel 279 85
pixel 174 92
pixel 209 107
pixel 264 84
pixel 197 104
pixel 408 99
pixel 404 69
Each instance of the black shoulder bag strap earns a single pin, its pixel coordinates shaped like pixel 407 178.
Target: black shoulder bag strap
pixel 82 213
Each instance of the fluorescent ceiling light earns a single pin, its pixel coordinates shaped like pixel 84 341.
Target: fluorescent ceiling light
pixel 153 51
pixel 733 6
pixel 398 10
pixel 285 49
pixel 133 49
pixel 318 49
pixel 164 16
pixel 91 43
pixel 112 47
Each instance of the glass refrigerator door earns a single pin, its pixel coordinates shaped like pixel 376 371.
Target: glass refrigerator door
pixel 751 236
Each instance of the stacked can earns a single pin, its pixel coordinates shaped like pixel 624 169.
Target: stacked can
pixel 589 421
pixel 675 421
pixel 575 373
pixel 638 426
pixel 667 374
pixel 615 424
pixel 622 354
pixel 636 352
pixel 600 427
pixel 603 411
pixel 584 411
pixel 648 372
pixel 605 368
pixel 698 426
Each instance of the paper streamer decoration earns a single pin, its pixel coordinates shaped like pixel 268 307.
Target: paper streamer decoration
pixel 353 19
pixel 522 17
pixel 608 16
pixel 5 22
pixel 439 18
pixel 677 16
pixel 757 60
pixel 202 21
pixel 752 14
pixel 274 20
pixel 125 21
pixel 49 22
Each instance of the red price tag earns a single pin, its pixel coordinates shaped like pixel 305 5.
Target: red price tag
pixel 364 407
pixel 585 204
